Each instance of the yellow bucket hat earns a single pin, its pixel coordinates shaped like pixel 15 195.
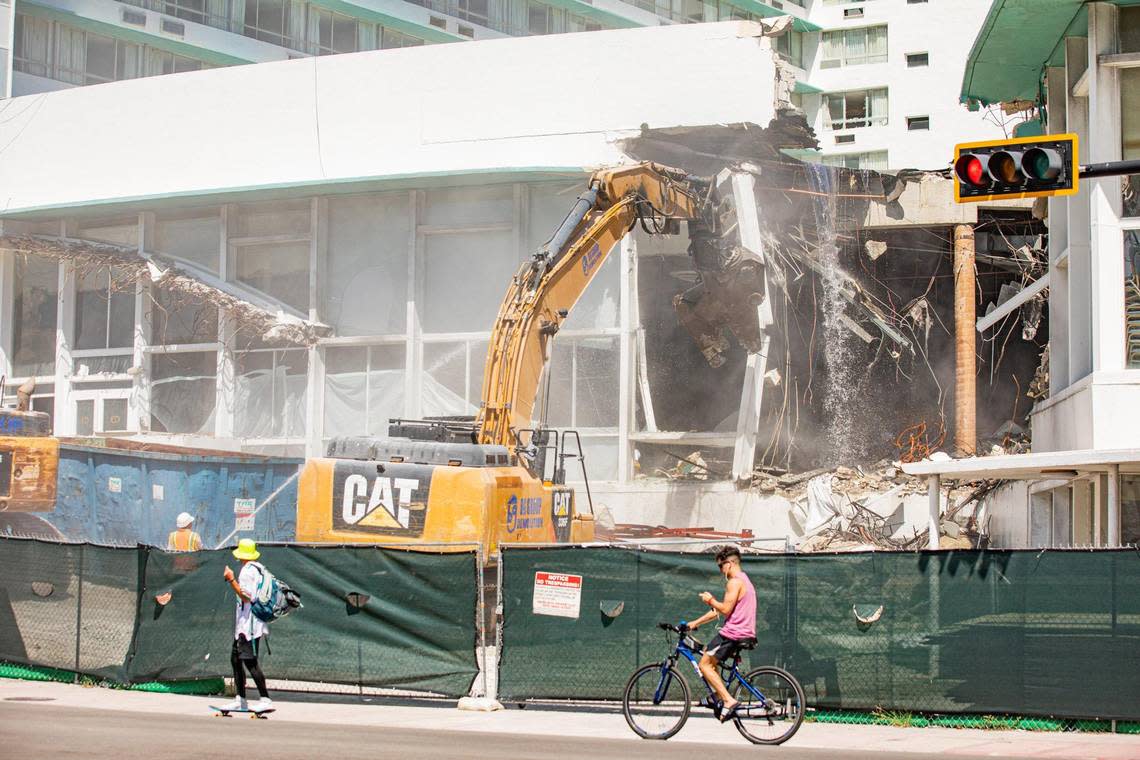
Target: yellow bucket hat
pixel 246 549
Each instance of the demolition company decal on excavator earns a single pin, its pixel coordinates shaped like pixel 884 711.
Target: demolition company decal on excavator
pixel 524 514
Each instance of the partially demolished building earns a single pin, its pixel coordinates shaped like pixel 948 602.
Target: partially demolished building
pixel 311 263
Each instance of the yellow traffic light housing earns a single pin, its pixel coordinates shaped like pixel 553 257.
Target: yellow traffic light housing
pixel 1020 167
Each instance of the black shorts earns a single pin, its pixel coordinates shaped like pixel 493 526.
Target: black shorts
pixel 721 649
pixel 246 649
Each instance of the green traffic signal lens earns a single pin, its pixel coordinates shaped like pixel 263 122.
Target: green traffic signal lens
pixel 1042 164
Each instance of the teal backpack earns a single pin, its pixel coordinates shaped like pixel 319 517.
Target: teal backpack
pixel 273 598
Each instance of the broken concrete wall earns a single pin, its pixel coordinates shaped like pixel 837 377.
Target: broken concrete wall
pixel 862 349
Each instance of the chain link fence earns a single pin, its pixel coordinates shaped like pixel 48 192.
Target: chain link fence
pixel 873 637
pixel 372 616
pixel 998 639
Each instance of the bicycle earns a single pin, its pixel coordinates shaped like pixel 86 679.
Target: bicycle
pixel 657 699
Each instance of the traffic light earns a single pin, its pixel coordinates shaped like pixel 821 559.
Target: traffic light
pixel 1021 167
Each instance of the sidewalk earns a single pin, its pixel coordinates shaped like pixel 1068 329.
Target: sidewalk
pixel 590 721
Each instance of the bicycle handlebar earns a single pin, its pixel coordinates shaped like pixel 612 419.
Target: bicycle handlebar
pixel 682 628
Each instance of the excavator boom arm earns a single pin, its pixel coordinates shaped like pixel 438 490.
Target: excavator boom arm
pixel 546 289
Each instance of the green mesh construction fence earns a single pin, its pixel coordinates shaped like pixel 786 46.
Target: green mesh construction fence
pixel 1051 634
pixel 371 616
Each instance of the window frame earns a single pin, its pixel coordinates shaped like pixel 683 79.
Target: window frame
pixel 846 58
pixel 867 120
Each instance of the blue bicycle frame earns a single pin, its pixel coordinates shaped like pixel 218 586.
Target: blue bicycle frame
pixel 693 656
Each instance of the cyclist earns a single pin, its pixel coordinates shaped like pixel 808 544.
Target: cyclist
pixel 739 606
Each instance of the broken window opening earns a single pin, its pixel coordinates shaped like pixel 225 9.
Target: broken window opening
pixel 192 236
pixel 270 392
pixel 178 318
pixel 1132 297
pixel 464 277
pixel 856 109
pixel 364 388
pixel 184 392
pixel 453 377
pixel 104 309
pixel 1129 510
pixel 1130 133
pixel 366 282
pixel 35 291
pixel 270 246
pixel 790 47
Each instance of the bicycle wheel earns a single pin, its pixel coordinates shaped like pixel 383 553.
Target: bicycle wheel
pixel 771 705
pixel 656 702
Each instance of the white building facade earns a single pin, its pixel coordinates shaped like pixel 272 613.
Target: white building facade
pixel 878 78
pixel 397 222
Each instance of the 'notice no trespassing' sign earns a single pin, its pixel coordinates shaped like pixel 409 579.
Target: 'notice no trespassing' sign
pixel 557 594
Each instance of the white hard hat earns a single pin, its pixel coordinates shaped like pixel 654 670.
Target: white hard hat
pixel 184 520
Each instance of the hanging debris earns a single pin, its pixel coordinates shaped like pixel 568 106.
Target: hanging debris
pixel 132 266
pixel 874 249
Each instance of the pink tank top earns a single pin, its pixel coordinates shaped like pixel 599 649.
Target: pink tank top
pixel 741 624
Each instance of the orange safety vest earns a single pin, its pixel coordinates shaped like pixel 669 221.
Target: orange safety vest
pixel 184 541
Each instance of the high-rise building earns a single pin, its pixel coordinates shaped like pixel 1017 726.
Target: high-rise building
pixel 878 79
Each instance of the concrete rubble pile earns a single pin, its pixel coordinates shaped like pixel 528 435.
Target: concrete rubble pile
pixel 863 508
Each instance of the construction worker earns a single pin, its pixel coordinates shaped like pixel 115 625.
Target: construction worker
pixel 184 539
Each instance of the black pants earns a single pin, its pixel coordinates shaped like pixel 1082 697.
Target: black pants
pixel 245 651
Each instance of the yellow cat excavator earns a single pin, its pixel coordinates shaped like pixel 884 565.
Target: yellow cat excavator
pixel 501 478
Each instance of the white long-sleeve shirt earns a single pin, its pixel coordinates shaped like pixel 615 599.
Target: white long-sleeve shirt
pixel 245 623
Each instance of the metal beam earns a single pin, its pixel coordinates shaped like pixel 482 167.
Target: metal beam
pixel 1018 300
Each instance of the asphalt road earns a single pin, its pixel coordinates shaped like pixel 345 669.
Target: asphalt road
pixel 41 730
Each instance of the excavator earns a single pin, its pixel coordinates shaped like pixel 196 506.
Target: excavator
pixel 500 477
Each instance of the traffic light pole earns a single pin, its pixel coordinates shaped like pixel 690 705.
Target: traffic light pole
pixel 1110 169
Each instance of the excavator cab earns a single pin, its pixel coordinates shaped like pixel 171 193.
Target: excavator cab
pixel 544 451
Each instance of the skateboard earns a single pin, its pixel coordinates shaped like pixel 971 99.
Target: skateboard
pixel 222 713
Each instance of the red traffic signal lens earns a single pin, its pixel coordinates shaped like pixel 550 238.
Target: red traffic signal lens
pixel 970 170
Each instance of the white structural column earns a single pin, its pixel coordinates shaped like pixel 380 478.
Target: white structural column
pixel 7 316
pixel 225 400
pixel 934 506
pixel 138 410
pixel 1073 341
pixel 225 390
pixel 627 355
pixel 64 417
pixel 752 394
pixel 1061 121
pixel 1108 333
pixel 412 324
pixel 315 402
pixel 1113 492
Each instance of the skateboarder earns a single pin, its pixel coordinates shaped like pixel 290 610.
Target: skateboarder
pixel 248 629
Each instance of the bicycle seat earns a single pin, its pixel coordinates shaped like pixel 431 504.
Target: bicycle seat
pixel 748 643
